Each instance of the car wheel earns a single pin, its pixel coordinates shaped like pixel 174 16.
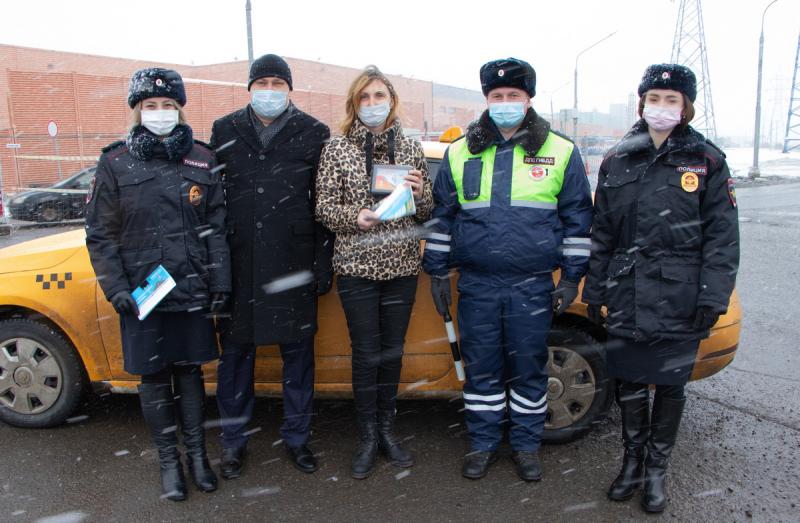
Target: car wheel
pixel 49 213
pixel 579 391
pixel 41 376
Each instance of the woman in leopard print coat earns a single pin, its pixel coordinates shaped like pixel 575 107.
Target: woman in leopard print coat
pixel 377 263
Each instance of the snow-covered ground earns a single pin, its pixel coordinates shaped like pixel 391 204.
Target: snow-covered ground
pixel 771 162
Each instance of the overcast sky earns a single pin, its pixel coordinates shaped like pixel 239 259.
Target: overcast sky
pixel 443 41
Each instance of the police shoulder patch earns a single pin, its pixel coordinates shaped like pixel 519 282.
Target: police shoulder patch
pixel 732 192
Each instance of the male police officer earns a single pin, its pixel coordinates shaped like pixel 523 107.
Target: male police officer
pixel 512 204
pixel 270 150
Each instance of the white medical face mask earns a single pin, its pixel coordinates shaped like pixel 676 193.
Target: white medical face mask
pixel 268 103
pixel 160 122
pixel 374 115
pixel 661 118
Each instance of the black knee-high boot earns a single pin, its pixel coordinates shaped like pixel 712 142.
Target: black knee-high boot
pixel 634 404
pixel 158 408
pixel 664 425
pixel 191 400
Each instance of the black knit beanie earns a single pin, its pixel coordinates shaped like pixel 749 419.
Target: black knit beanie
pixel 669 76
pixel 270 65
pixel 154 82
pixel 508 72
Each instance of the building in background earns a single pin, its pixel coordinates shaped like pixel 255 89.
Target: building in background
pixel 58 109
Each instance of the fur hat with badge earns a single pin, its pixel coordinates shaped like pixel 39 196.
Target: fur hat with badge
pixel 155 82
pixel 508 72
pixel 270 65
pixel 669 76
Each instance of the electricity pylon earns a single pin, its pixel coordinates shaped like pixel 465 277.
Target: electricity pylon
pixel 792 139
pixel 689 49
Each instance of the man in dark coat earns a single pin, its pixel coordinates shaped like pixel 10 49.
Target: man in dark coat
pixel 281 258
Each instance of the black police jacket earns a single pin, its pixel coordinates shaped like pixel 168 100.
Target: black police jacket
pixel 159 203
pixel 665 236
pixel 272 231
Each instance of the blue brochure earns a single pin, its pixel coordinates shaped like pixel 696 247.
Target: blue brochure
pixel 158 285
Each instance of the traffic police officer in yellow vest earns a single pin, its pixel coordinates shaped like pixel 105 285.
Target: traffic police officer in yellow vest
pixel 512 204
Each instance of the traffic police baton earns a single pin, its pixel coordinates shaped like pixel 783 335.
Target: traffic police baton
pixel 451 336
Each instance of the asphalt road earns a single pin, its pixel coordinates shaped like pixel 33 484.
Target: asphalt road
pixel 737 456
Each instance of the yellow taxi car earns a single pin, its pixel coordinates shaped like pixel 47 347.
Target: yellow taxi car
pixel 58 335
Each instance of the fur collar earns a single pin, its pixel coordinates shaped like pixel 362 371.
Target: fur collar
pixel 531 134
pixel 144 145
pixel 685 140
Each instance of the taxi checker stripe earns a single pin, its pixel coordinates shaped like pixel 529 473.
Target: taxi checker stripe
pixel 438 236
pixel 526 402
pixel 480 397
pixel 437 247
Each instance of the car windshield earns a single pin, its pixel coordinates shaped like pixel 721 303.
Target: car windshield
pixel 77 181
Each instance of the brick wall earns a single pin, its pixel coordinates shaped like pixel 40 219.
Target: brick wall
pixel 86 96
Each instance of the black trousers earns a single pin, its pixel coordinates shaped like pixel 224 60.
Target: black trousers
pixel 236 391
pixel 377 315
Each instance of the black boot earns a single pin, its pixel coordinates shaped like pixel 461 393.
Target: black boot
pixel 664 425
pixel 158 408
pixel 388 444
pixel 367 449
pixel 476 463
pixel 191 399
pixel 634 404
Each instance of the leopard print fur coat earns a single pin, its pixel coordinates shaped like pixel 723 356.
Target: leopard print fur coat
pixel 389 249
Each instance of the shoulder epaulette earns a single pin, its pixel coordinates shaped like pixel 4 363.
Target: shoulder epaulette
pixel 714 146
pixel 113 145
pixel 564 136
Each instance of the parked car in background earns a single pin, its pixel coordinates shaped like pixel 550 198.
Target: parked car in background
pixel 61 201
pixel 4 227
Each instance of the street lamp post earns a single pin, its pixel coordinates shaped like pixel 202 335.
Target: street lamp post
pixel 755 172
pixel 550 94
pixel 247 10
pixel 575 81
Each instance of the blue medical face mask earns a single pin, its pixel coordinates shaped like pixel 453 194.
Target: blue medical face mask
pixel 507 114
pixel 269 104
pixel 374 115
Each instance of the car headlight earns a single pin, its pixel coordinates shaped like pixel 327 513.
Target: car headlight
pixel 19 199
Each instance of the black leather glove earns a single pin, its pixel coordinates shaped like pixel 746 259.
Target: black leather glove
pixel 324 282
pixel 218 302
pixel 705 318
pixel 124 303
pixel 440 290
pixel 565 293
pixel 595 316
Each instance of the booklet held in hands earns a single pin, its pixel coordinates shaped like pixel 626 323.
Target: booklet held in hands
pixel 398 204
pixel 157 285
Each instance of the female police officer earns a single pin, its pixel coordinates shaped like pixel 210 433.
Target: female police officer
pixel 665 254
pixel 157 202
